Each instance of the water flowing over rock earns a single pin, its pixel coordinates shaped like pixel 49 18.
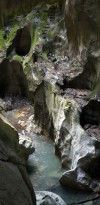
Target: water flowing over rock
pixel 15 185
pixel 78 150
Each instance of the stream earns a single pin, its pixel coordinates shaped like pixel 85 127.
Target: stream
pixel 43 166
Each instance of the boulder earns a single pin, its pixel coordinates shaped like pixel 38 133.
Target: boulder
pixel 26 145
pixel 48 198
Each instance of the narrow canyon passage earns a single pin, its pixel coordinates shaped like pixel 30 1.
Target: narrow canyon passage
pixel 43 166
pixel 50 92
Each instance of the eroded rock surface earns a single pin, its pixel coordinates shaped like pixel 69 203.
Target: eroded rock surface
pixel 61 112
pixel 15 185
pixel 79 151
pixel 48 198
pixel 21 44
pixel 83 32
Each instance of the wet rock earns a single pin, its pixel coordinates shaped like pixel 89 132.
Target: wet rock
pixel 13 175
pixel 10 137
pixel 48 198
pixel 79 151
pixel 79 180
pixel 96 201
pixel 26 145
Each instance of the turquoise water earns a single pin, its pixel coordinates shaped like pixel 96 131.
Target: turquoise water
pixel 45 169
pixel 43 166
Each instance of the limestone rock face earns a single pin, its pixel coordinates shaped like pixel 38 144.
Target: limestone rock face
pixel 12 79
pixel 82 21
pixel 15 184
pixel 83 33
pixel 78 150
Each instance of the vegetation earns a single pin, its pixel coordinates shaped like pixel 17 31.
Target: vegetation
pixel 7 35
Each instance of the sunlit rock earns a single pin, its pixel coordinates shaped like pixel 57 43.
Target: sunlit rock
pixel 78 150
pixel 48 198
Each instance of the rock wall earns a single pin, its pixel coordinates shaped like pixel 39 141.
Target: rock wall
pixel 65 112
pixel 83 32
pixel 12 9
pixel 82 22
pixel 15 185
pixel 78 150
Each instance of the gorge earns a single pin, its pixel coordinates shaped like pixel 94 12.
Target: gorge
pixel 49 102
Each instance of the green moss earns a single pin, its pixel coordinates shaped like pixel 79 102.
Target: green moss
pixel 11 35
pixel 50 33
pixel 17 58
pixel 44 55
pixel 34 41
pixel 6 37
pixel 43 16
pixel 2 40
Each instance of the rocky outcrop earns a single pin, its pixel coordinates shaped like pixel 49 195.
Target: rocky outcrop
pixel 78 150
pixel 12 79
pixel 15 185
